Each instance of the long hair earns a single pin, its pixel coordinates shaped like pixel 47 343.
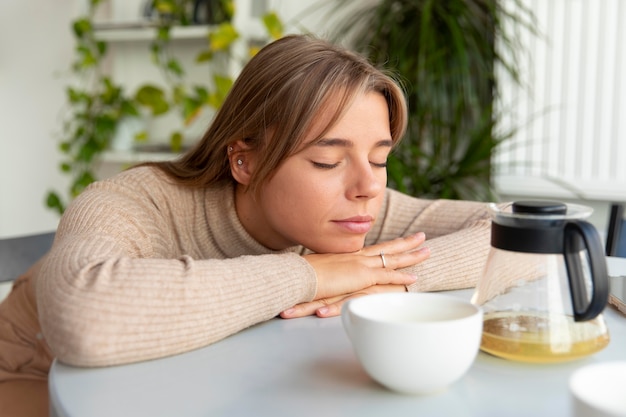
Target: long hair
pixel 276 100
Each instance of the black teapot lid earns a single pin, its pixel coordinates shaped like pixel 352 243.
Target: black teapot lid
pixel 539 207
pixel 536 212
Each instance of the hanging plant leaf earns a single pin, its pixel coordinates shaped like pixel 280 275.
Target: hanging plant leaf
pixel 87 151
pixel 253 50
pixel 163 33
pixel 81 182
pixel 202 93
pixel 128 108
pixel 164 7
pixel 174 66
pixel 176 141
pixel 191 110
pixel 222 87
pixel 82 27
pixel 229 9
pixel 141 136
pixel 103 131
pixel 111 93
pixel 204 56
pixel 223 37
pixel 273 25
pixel 178 94
pixel 86 58
pixel 53 201
pixel 153 98
pixel 222 84
pixel 101 47
pixel 65 167
pixel 65 147
pixel 77 96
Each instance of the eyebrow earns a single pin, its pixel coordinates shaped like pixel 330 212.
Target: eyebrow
pixel 349 144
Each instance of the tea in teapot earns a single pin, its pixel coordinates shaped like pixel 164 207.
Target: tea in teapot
pixel 545 284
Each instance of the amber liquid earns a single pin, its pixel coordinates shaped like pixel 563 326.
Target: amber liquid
pixel 541 338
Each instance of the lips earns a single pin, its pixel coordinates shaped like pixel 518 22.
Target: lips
pixel 356 224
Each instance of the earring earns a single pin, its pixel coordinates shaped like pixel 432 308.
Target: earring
pixel 230 149
pixel 239 162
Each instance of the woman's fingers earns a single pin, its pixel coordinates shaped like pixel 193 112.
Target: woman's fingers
pixel 347 273
pixel 310 308
pixel 400 260
pixel 399 245
pixel 332 307
pixel 342 276
pixel 397 253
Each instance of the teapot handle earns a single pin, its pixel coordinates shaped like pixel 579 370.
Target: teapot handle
pixel 597 264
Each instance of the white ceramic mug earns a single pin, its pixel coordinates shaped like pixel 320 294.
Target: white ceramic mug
pixel 599 390
pixel 414 343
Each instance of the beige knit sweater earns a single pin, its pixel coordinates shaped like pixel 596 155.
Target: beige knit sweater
pixel 142 268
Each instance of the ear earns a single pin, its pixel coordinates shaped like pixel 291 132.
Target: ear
pixel 242 162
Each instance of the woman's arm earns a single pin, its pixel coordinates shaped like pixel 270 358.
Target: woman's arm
pixel 115 288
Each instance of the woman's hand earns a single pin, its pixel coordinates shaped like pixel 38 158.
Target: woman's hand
pixel 330 307
pixel 347 275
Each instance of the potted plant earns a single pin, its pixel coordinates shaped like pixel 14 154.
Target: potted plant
pixel 445 53
pixel 98 105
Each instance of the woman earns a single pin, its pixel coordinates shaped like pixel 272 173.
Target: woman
pixel 280 209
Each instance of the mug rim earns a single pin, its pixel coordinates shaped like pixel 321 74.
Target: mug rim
pixel 475 309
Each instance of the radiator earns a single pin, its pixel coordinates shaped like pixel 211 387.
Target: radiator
pixel 568 115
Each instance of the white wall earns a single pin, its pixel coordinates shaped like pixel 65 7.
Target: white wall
pixel 35 48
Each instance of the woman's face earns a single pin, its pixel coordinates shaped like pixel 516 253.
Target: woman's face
pixel 327 196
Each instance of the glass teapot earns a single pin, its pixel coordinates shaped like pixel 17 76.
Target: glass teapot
pixel 544 285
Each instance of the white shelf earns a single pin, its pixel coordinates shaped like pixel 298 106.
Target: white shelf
pixel 146 32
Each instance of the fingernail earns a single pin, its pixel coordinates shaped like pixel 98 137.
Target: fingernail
pixel 289 311
pixel 420 235
pixel 424 250
pixel 414 278
pixel 322 311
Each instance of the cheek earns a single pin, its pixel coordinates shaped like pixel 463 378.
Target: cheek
pixel 294 196
pixel 299 206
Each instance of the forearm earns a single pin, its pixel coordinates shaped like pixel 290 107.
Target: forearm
pixel 107 308
pixel 456 260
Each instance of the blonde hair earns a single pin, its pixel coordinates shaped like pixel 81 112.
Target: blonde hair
pixel 284 89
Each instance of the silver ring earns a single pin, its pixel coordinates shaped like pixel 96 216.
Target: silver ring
pixel 382 257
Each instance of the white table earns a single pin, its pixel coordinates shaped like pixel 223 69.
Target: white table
pixel 306 367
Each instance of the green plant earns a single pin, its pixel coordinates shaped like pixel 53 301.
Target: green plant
pixel 445 53
pixel 96 103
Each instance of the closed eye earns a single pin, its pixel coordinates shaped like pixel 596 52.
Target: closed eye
pixel 324 166
pixel 331 166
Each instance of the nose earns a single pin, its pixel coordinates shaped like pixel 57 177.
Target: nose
pixel 366 181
